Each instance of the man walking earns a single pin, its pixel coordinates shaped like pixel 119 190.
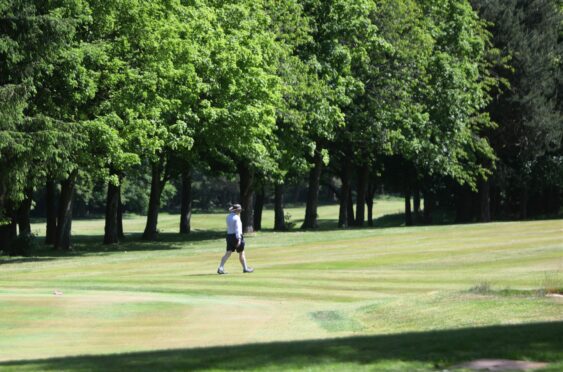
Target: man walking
pixel 235 240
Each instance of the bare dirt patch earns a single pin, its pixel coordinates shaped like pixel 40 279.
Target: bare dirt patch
pixel 501 365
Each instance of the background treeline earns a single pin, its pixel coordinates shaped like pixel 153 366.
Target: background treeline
pixel 131 105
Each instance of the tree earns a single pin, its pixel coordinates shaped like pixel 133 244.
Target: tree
pixel 529 111
pixel 159 87
pixel 242 93
pixel 454 90
pixel 341 34
pixel 35 34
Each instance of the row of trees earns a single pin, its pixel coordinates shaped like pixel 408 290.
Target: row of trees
pixel 437 92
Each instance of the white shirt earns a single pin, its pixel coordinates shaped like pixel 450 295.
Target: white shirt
pixel 234 225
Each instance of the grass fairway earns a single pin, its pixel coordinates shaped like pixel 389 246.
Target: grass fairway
pixel 393 298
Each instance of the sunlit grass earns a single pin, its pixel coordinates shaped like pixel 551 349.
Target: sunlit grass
pixel 150 296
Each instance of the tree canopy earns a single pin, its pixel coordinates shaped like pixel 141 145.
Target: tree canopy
pixel 454 94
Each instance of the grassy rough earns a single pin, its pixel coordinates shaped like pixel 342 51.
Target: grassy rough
pixel 398 298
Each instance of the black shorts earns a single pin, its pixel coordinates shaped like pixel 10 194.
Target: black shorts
pixel 232 243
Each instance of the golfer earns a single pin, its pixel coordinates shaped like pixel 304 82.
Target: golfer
pixel 235 240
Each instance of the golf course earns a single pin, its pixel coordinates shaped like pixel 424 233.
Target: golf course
pixel 383 298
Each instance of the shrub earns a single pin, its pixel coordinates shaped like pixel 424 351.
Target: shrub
pixel 287 221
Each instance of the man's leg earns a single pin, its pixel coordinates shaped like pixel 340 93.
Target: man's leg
pixel 223 261
pixel 242 259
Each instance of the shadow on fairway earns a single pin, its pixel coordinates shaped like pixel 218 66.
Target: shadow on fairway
pixel 425 350
pixel 92 244
pixel 382 222
pixel 5 261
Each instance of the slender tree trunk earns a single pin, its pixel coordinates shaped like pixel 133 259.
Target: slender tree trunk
pixel 111 235
pixel 495 201
pixel 311 218
pixel 186 210
pixel 408 212
pixel 428 207
pixel 345 176
pixel 362 193
pixel 524 202
pixel 279 219
pixel 416 205
pixel 350 213
pixel 553 201
pixel 8 232
pixel 556 201
pixel 64 221
pixel 3 191
pixel 157 184
pixel 408 193
pixel 246 178
pixel 464 204
pixel 459 204
pixel 484 198
pixel 120 233
pixel 51 206
pixel 258 208
pixel 369 201
pixel 24 221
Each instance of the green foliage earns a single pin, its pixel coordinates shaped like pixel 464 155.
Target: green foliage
pixel 455 90
pixel 103 86
pixel 243 90
pixel 33 36
pixel 528 110
pixel 528 32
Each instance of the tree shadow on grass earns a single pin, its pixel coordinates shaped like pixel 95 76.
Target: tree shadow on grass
pixel 331 224
pixel 8 260
pixel 407 351
pixel 383 222
pixel 92 244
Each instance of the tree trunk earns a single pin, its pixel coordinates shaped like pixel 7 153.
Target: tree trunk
pixel 350 213
pixel 553 201
pixel 495 199
pixel 246 178
pixel 344 194
pixel 24 222
pixel 258 208
pixel 111 235
pixel 279 219
pixel 361 196
pixel 51 209
pixel 428 207
pixel 464 204
pixel 120 234
pixel 186 210
pixel 408 212
pixel 416 205
pixel 64 221
pixel 408 193
pixel 524 202
pixel 157 184
pixel 369 201
pixel 311 218
pixel 8 233
pixel 484 198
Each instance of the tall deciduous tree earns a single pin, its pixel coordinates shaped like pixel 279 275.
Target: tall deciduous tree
pixel 453 91
pixel 342 32
pixel 243 92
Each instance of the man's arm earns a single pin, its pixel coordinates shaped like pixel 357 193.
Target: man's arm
pixel 238 231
